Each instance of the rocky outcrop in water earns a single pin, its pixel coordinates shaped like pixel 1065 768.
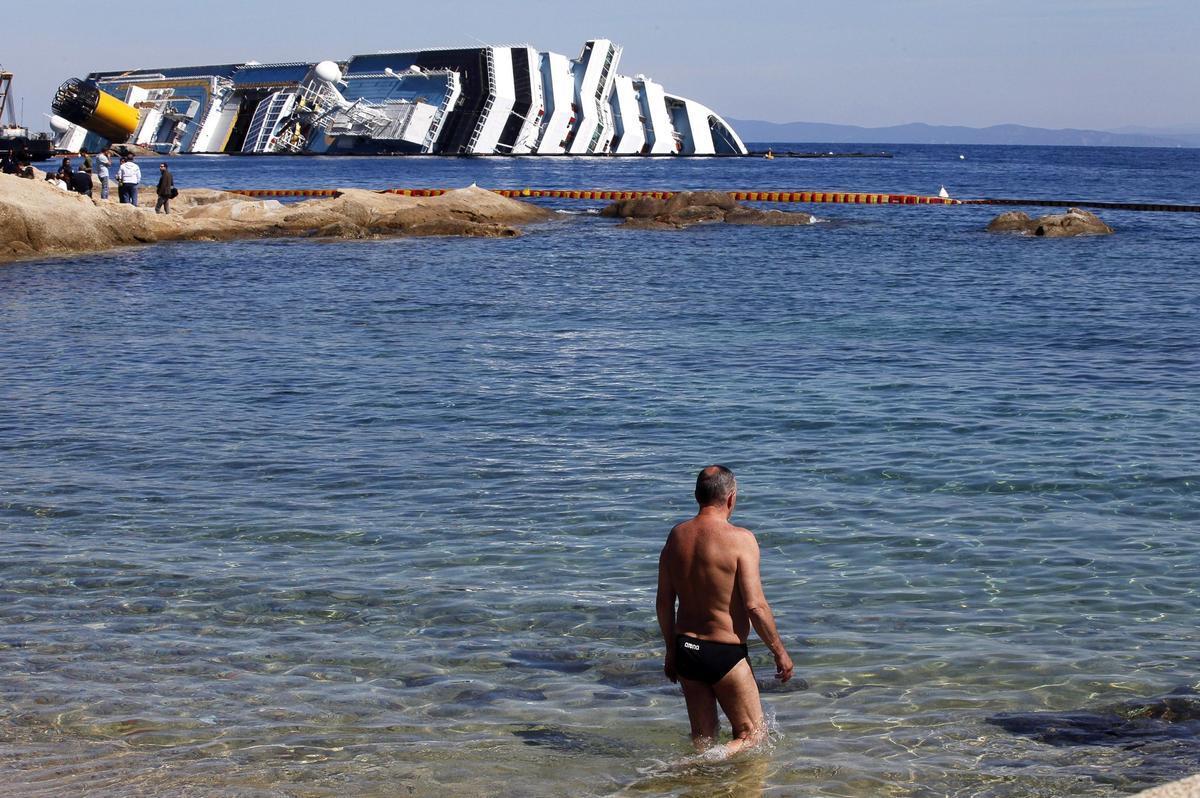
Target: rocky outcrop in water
pixel 1074 222
pixel 688 208
pixel 1163 733
pixel 37 219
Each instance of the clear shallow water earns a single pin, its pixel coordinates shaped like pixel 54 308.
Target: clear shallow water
pixel 382 518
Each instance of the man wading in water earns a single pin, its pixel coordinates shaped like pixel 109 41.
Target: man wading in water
pixel 711 567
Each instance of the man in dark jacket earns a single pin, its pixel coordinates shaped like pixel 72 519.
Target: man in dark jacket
pixel 81 182
pixel 166 186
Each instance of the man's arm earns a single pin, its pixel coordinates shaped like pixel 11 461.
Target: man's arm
pixel 750 586
pixel 664 606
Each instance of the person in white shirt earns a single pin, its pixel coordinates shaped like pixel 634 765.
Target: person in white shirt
pixel 129 176
pixel 102 164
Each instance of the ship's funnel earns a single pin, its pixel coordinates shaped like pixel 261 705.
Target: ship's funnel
pixel 85 105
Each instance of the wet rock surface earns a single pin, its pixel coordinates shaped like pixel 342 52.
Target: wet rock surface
pixel 688 208
pixel 1074 222
pixel 37 219
pixel 572 742
pixel 1162 733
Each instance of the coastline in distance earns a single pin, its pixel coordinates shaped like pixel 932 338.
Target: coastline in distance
pixel 919 133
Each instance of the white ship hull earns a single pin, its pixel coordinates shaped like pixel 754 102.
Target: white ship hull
pixel 469 101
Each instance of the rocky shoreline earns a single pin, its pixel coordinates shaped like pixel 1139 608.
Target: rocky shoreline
pixel 37 219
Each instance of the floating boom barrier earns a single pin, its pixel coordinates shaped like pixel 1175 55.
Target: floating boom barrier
pixel 803 197
pixel 554 193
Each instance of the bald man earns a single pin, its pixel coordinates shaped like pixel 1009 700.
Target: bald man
pixel 710 567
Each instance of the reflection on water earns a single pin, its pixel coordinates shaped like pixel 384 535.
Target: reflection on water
pixel 382 519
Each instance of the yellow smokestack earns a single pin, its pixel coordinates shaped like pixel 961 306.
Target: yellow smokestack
pixel 103 114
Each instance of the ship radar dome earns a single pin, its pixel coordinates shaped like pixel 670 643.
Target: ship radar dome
pixel 58 124
pixel 328 72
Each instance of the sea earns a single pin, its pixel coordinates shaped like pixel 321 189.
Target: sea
pixel 376 518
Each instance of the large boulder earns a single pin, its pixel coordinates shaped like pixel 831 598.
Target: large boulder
pixel 772 218
pixel 683 200
pixel 688 208
pixel 1010 222
pixel 640 208
pixel 1074 222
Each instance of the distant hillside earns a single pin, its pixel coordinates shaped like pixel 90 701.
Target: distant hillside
pixel 918 133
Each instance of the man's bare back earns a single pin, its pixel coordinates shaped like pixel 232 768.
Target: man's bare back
pixel 711 567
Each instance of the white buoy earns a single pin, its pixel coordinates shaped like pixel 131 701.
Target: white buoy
pixel 962 157
pixel 943 193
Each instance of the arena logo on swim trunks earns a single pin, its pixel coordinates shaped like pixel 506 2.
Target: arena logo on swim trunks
pixel 692 646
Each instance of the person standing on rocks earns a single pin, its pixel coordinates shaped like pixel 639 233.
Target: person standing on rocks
pixel 129 176
pixel 166 189
pixel 102 164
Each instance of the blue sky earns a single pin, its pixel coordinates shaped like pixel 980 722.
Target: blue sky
pixel 1056 63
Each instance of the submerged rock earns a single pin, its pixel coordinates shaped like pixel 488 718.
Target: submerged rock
pixel 38 219
pixel 1163 732
pixel 1172 716
pixel 572 742
pixel 688 208
pixel 1074 222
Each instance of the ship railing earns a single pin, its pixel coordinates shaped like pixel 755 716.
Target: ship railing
pixel 312 97
pixel 364 118
pixel 435 127
pixel 491 100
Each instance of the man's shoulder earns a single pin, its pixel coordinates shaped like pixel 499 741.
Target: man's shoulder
pixel 743 536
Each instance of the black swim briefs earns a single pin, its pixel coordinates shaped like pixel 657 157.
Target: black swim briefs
pixel 706 661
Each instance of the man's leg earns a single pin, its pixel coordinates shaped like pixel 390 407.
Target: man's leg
pixel 702 712
pixel 737 692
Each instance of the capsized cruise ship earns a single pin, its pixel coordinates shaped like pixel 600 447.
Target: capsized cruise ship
pixel 511 100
